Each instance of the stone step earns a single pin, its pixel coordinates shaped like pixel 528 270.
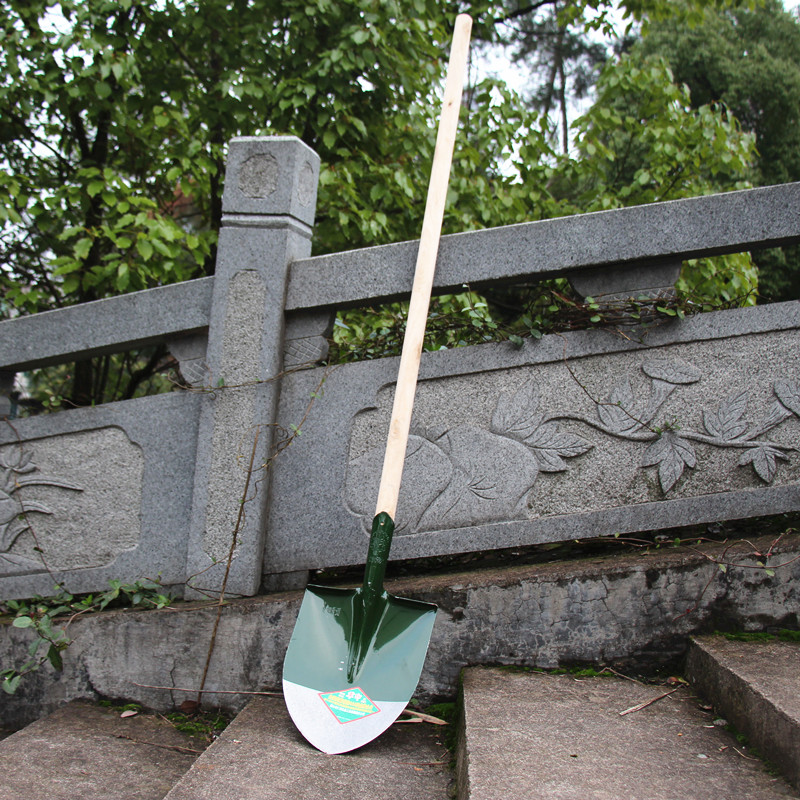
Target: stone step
pixel 755 685
pixel 622 609
pixel 261 756
pixel 559 737
pixel 85 752
pixel 522 734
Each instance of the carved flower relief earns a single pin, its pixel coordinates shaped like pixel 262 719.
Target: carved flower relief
pixel 469 475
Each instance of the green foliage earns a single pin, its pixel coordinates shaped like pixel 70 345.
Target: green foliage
pixel 40 613
pixel 91 183
pixel 712 283
pixel 453 321
pixel 748 59
pixel 118 376
pixel 114 116
pixel 45 647
pixel 640 142
pixel 782 634
pixel 690 13
pixel 447 711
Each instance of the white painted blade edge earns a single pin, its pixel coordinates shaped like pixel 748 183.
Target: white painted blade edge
pixel 322 729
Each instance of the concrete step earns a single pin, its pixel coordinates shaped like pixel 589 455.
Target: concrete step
pixel 523 734
pixel 558 737
pixel 755 685
pixel 261 756
pixel 85 752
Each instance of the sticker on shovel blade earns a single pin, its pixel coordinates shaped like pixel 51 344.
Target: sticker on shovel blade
pixel 349 704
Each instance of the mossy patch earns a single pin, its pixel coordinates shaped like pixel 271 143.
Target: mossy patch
pixel 783 635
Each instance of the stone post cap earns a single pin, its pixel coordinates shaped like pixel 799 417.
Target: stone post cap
pixel 271 175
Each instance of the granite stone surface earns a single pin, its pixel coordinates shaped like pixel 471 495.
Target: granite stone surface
pixel 268 210
pixel 575 436
pixel 558 737
pixel 66 484
pixel 677 229
pixel 97 494
pixel 590 433
pixel 105 326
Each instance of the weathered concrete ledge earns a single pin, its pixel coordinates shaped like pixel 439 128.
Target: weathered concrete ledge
pixel 260 756
pixel 634 610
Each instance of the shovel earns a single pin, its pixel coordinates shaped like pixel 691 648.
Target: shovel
pixel 356 655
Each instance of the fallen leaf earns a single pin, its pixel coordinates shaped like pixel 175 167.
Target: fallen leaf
pixel 189 707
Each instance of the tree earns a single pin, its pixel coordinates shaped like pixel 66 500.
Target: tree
pixel 115 113
pixel 564 61
pixel 749 60
pixel 640 142
pixel 565 44
pixel 114 116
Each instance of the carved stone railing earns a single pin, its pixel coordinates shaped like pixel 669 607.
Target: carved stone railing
pixel 571 436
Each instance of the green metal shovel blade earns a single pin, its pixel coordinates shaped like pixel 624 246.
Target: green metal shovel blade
pixel 355 657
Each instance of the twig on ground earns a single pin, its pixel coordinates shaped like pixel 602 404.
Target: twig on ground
pixel 194 689
pixel 421 717
pixel 640 706
pixel 175 747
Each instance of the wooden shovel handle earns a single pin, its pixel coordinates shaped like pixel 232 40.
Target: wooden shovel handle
pixel 405 390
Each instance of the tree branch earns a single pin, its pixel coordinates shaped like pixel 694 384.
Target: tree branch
pixel 521 12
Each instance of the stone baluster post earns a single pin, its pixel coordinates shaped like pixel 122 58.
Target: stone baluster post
pixel 646 283
pixel 268 214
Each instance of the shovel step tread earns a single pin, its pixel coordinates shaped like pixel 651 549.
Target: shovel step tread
pixel 262 756
pixel 558 737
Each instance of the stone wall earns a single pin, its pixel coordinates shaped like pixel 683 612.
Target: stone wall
pixel 633 612
pixel 569 437
pixel 565 437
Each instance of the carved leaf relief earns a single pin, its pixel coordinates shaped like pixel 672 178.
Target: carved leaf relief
pixel 14 509
pixel 671 370
pixel 619 413
pixel 727 424
pixel 776 414
pixel 671 453
pixel 764 461
pixel 489 478
pixel 788 392
pixel 551 447
pixel 517 414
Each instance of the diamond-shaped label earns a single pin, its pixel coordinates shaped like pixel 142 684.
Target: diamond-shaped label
pixel 349 704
